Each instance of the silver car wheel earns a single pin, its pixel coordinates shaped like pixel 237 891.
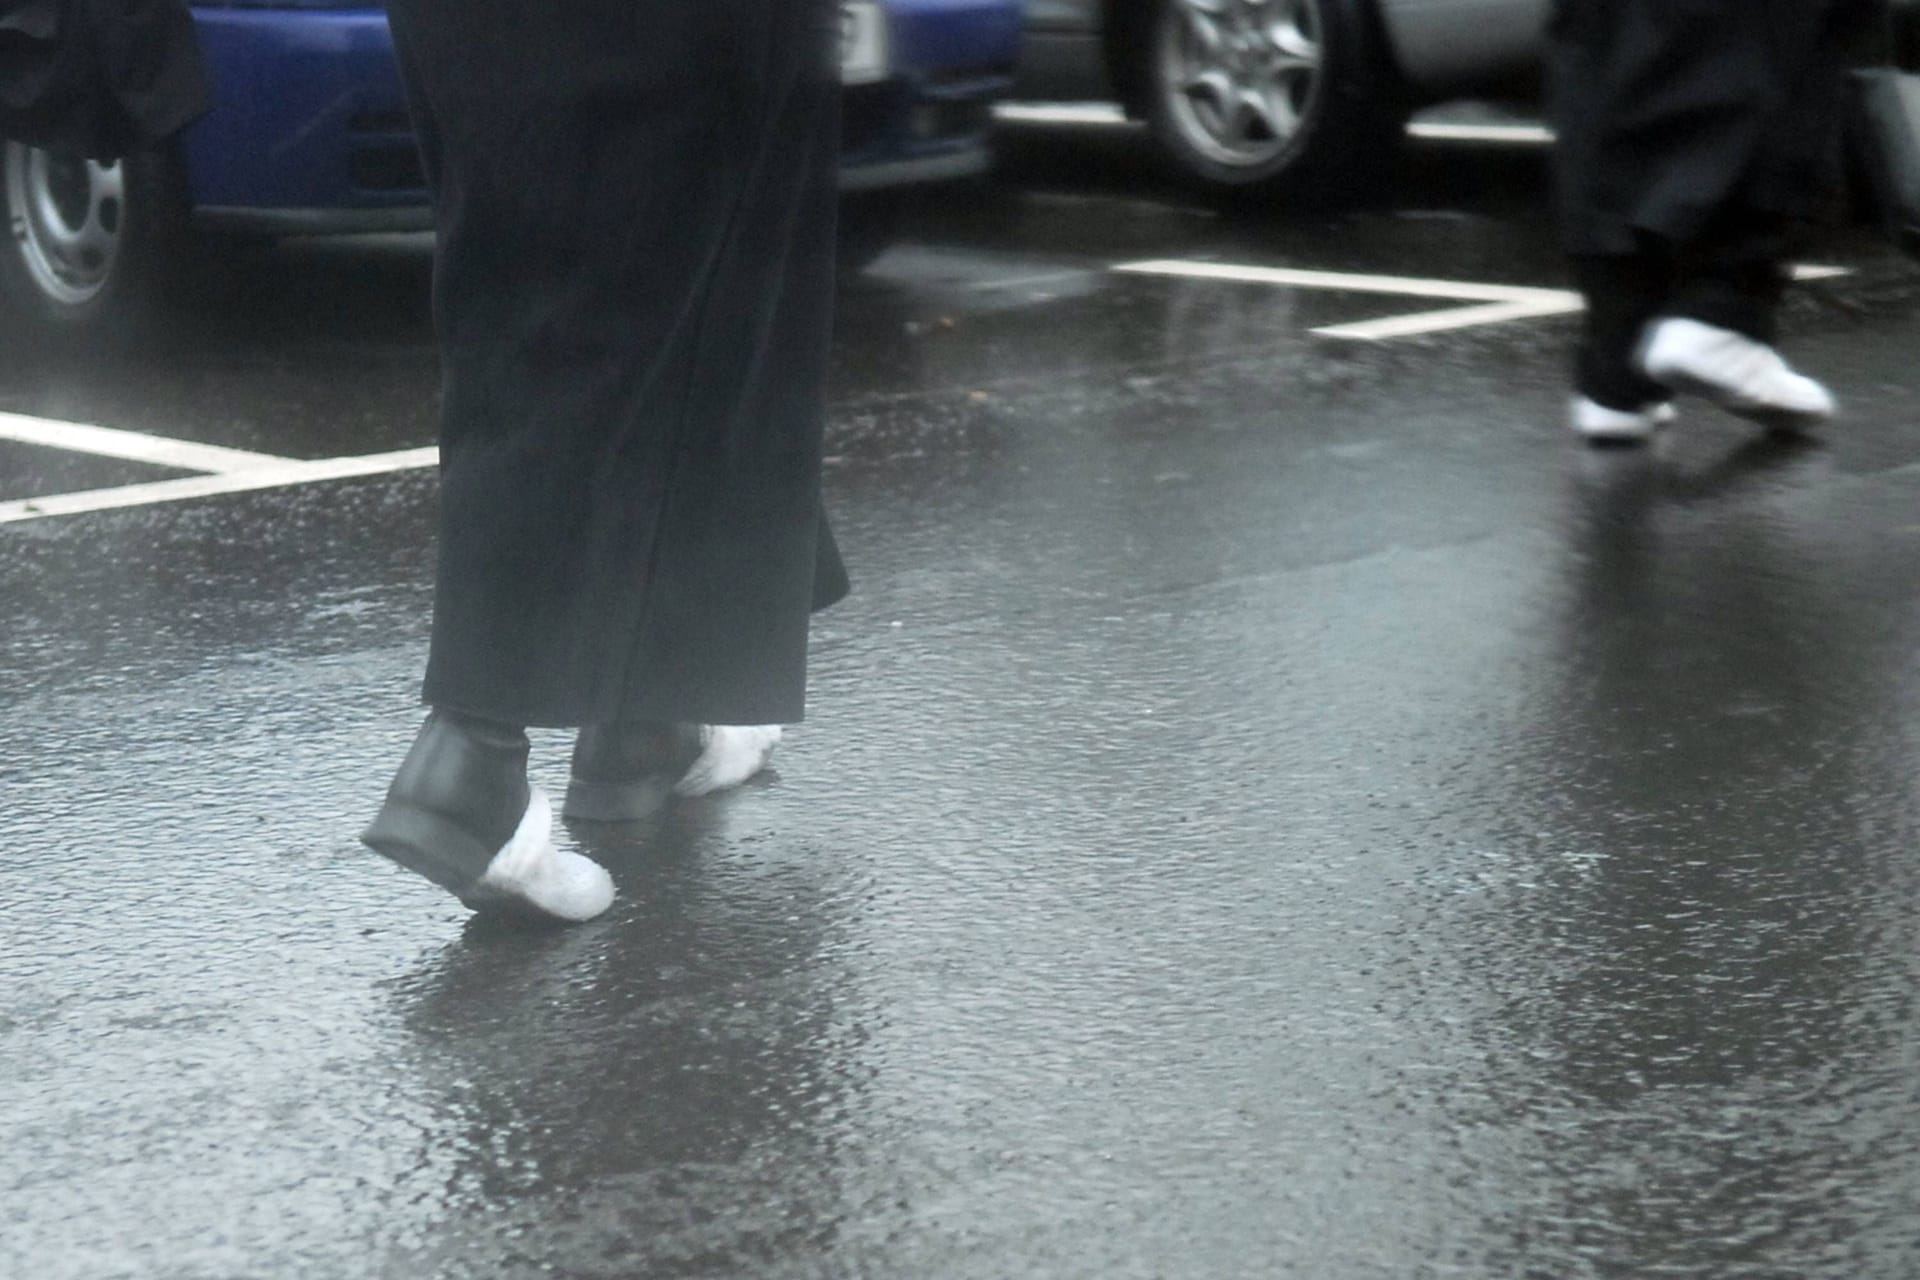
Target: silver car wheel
pixel 1241 76
pixel 64 216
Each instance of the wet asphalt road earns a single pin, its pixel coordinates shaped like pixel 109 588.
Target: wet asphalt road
pixel 1273 806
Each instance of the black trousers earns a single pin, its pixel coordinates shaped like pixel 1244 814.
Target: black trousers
pixel 633 290
pixel 1733 275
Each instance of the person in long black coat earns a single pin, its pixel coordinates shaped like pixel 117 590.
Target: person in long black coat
pixel 1698 140
pixel 635 205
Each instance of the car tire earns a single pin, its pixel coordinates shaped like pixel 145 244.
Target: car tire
pixel 92 247
pixel 1285 96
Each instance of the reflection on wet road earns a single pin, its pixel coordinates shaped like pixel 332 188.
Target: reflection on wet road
pixel 1273 806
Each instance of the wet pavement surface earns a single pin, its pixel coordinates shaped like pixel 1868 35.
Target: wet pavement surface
pixel 1273 806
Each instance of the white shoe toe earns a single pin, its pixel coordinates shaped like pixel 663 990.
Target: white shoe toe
pixel 1595 421
pixel 729 755
pixel 1738 373
pixel 1801 396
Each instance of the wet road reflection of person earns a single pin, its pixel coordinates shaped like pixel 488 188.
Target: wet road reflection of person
pixel 635 208
pixel 1700 994
pixel 665 1095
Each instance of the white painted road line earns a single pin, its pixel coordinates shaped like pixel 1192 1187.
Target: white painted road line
pixel 131 446
pixel 1343 281
pixel 1085 113
pixel 1492 303
pixel 1505 135
pixel 1451 318
pixel 1108 115
pixel 227 470
pixel 280 473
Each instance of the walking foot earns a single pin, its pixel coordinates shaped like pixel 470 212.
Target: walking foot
pixel 729 755
pixel 1596 422
pixel 626 772
pixel 1738 373
pixel 461 813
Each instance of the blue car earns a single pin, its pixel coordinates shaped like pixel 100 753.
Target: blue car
pixel 309 135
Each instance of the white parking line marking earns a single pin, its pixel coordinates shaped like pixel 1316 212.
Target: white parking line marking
pixel 131 446
pixel 1109 115
pixel 1506 135
pixel 1098 113
pixel 1450 318
pixel 1347 281
pixel 278 473
pixel 1492 303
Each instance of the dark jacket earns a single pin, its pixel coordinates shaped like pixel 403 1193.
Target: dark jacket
pixel 99 77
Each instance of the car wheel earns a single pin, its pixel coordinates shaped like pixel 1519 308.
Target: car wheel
pixel 1258 95
pixel 90 244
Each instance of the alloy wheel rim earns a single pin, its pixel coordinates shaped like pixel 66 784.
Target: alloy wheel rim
pixel 65 216
pixel 1241 76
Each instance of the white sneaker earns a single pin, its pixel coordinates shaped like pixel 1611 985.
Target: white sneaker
pixel 729 755
pixel 1596 422
pixel 1734 371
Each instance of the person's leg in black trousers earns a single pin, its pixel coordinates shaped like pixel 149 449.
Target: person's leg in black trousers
pixel 1736 273
pixel 1624 293
pixel 633 289
pixel 1693 138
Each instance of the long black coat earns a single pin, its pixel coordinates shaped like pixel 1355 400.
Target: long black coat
pixel 1671 113
pixel 636 214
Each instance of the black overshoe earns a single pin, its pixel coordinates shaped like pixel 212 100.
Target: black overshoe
pixel 456 802
pixel 626 772
pixel 461 813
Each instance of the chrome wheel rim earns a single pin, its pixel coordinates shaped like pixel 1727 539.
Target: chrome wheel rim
pixel 65 216
pixel 1241 76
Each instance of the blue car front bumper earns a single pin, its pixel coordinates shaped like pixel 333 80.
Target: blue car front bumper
pixel 951 60
pixel 310 134
pixel 310 129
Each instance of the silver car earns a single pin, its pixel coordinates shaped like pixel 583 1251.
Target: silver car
pixel 1268 93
